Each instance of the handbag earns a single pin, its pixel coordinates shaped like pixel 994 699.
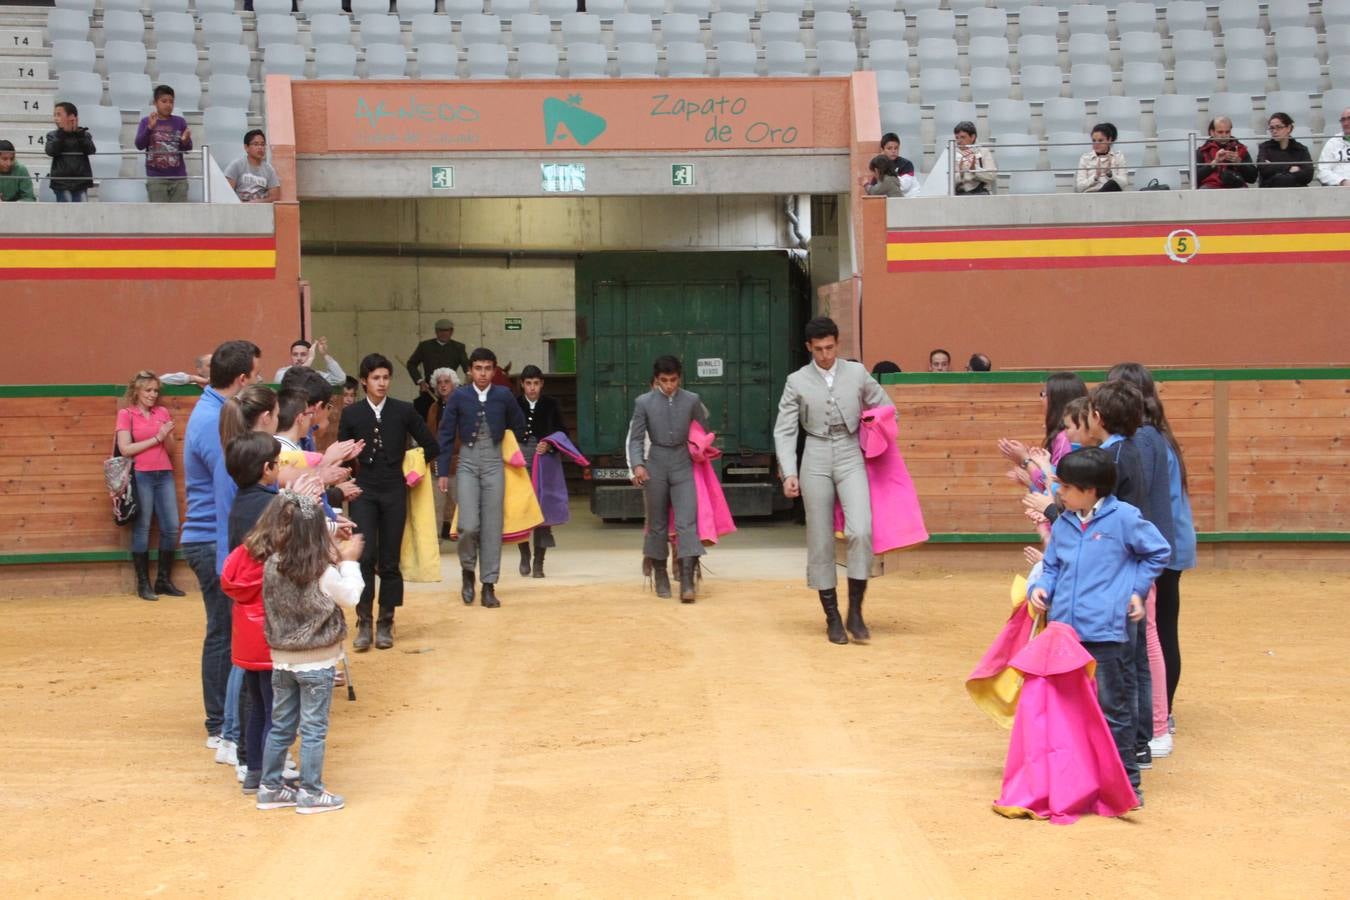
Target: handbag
pixel 120 479
pixel 1155 185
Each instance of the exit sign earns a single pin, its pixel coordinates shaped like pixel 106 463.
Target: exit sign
pixel 682 175
pixel 513 323
pixel 442 178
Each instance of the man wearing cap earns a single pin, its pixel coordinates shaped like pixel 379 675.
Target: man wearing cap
pixel 430 355
pixel 15 182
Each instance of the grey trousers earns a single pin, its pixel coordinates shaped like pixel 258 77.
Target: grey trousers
pixel 481 489
pixel 834 467
pixel 671 482
pixel 543 535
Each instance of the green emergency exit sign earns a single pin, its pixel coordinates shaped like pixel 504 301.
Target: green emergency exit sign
pixel 682 175
pixel 442 178
pixel 513 323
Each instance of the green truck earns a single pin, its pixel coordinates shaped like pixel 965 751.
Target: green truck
pixel 734 319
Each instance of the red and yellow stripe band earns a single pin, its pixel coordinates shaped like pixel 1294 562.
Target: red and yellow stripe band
pixel 121 258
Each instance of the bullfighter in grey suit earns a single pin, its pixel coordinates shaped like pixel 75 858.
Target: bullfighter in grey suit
pixel 666 473
pixel 825 398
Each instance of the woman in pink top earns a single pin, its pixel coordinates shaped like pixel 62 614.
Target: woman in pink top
pixel 145 436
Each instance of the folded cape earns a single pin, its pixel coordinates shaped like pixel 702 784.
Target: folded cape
pixel 714 516
pixel 550 485
pixel 420 553
pixel 897 520
pixel 520 508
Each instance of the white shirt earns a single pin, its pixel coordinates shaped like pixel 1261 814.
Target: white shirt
pixel 1333 165
pixel 1084 518
pixel 827 374
pixel 334 376
pixel 483 394
pixel 286 442
pixel 379 410
pixel 531 402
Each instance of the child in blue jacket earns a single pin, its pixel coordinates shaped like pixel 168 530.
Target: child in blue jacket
pixel 1102 557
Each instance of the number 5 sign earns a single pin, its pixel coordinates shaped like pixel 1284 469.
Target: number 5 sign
pixel 1182 244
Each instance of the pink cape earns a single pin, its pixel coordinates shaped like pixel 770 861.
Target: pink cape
pixel 1062 761
pixel 995 685
pixel 714 516
pixel 897 520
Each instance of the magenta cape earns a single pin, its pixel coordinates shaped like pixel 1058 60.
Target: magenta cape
pixel 714 516
pixel 995 685
pixel 1062 762
pixel 897 520
pixel 550 485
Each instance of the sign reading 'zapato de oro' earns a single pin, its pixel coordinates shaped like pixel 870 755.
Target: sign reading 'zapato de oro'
pixel 718 116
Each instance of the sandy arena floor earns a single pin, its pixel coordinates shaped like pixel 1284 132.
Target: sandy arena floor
pixel 588 740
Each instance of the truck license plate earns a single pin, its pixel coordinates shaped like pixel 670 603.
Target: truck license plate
pixel 611 474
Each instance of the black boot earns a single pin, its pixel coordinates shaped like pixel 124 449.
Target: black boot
pixel 141 563
pixel 361 643
pixel 466 591
pixel 687 594
pixel 834 626
pixel 857 629
pixel 490 600
pixel 539 561
pixel 163 580
pixel 445 531
pixel 384 629
pixel 660 578
pixel 525 558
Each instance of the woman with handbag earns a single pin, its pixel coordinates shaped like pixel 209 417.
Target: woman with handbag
pixel 145 436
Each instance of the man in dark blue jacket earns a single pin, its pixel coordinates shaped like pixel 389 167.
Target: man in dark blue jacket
pixel 479 414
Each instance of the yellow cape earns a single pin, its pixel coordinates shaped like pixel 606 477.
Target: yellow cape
pixel 998 695
pixel 420 555
pixel 520 507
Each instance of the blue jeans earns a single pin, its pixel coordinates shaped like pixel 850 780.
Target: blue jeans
pixel 201 558
pixel 299 699
pixel 230 726
pixel 71 196
pixel 1114 663
pixel 258 686
pixel 157 499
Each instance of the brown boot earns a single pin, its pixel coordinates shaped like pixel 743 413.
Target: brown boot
pixel 361 643
pixel 660 578
pixel 384 629
pixel 687 592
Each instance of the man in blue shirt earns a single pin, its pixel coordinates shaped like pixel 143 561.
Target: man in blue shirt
pixel 234 365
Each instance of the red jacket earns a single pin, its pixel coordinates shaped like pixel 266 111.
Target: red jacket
pixel 242 579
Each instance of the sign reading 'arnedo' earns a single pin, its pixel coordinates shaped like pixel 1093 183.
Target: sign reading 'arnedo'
pixel 516 117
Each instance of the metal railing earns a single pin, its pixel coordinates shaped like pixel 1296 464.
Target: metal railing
pixel 197 161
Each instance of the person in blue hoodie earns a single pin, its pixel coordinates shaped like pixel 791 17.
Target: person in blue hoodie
pixel 1102 557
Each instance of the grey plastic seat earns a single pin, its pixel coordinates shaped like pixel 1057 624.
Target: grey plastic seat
pixel 1136 17
pixel 580 28
pixel 865 7
pixel 636 59
pixel 1287 13
pixel 509 9
pixel 1337 37
pixel 76 6
pixel 937 53
pixel 429 28
pixel 785 59
pixel 607 9
pixel 835 58
pixel 67 25
pixel 235 90
pixel 175 57
pixel 284 59
pixel 729 26
pixel 486 61
pixel 1140 46
pixel 911 6
pixel 1087 19
pixel 557 9
pixel 103 122
pixel 829 26
pixel 478 28
pixel 629 27
pixel 948 114
pixel 1186 15
pixel 883 25
pixel 1195 76
pixel 737 59
pixel 894 86
pixel 1039 20
pixel 130 90
pixel 1017 152
pixel 72 56
pixel 677 27
pixel 795 7
pixel 587 60
pixel 1090 80
pixel 187 91
pixel 888 56
pixel 937 85
pixel 653 8
pixel 122 5
pixel 744 7
pixel 437 61
pixel 222 28
pixel 960 7
pixel 700 8
pixel 81 88
pixel 1173 112
pixel 1194 44
pixel 934 23
pixel 228 59
pixel 335 61
pixel 1009 115
pixel 1296 103
pixel 121 25
pixel 1333 101
pixel 1062 149
pixel 124 56
pixel 986 50
pixel 272 7
pixel 388 61
pixel 311 8
pixel 408 10
pixel 158 6
pixel 1237 107
pixel 384 29
pixel 530 28
pixel 363 8
pixel 1173 146
pixel 1244 43
pixel 1338 70
pixel 1037 50
pixel 778 26
pixel 1120 110
pixel 1088 47
pixel 1304 74
pixel 988 83
pixel 902 118
pixel 686 59
pixel 1238 14
pixel 213 7
pixel 1063 114
pixel 330 28
pixel 1024 183
pixel 225 126
pixel 1335 13
pixel 1246 76
pixel 1041 82
pixel 1296 40
pixel 1143 79
pixel 985 21
pixel 458 9
pixel 276 29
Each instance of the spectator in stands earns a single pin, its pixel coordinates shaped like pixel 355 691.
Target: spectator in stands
pixel 1333 166
pixel 251 175
pixel 439 352
pixel 939 361
pixel 303 353
pixel 1283 161
pixel 165 137
pixel 201 378
pixel 1102 169
pixel 885 367
pixel 896 165
pixel 975 169
pixel 70 147
pixel 1223 161
pixel 979 363
pixel 883 182
pixel 15 182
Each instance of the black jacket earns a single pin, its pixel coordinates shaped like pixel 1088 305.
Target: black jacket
pixel 545 420
pixel 431 355
pixel 248 507
pixel 381 462
pixel 70 151
pixel 1273 164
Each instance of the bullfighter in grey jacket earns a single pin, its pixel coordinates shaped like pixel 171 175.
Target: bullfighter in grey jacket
pixel 666 473
pixel 825 398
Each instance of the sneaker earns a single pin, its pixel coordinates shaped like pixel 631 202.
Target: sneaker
pixel 310 803
pixel 275 797
pixel 240 771
pixel 1161 746
pixel 212 742
pixel 227 754
pixel 252 781
pixel 1143 757
pixel 1171 725
pixel 1138 799
pixel 290 770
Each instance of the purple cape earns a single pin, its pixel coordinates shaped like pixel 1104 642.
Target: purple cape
pixel 547 474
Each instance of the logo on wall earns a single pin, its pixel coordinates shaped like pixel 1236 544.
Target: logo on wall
pixel 583 125
pixel 1182 245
